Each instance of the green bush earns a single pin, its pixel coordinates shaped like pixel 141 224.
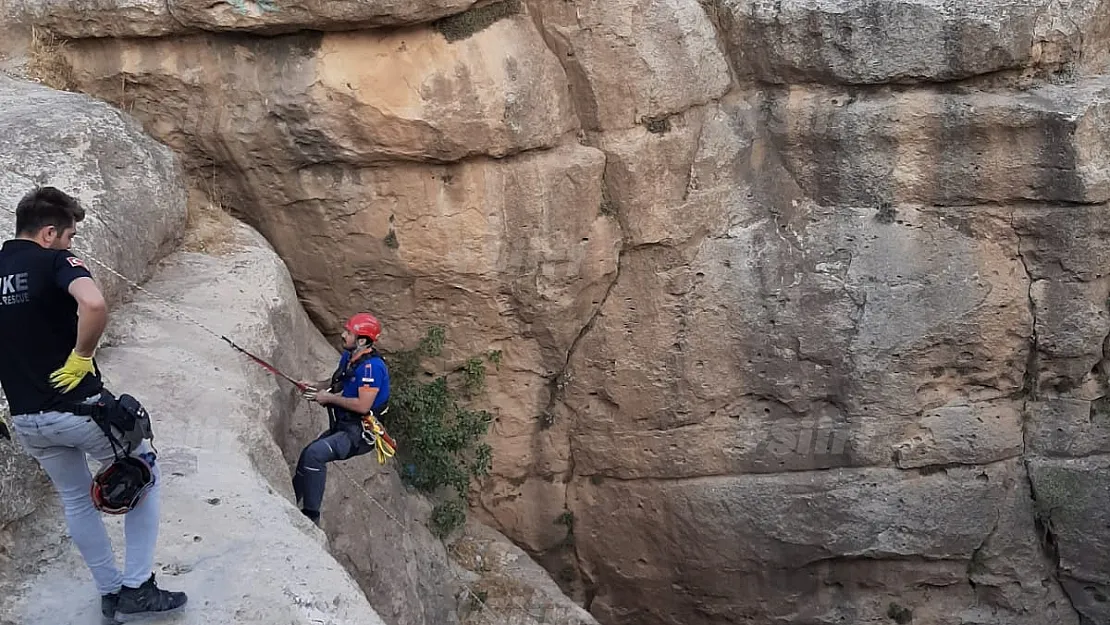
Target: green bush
pixel 447 516
pixel 439 440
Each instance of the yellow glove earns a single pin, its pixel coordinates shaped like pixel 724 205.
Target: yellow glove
pixel 70 374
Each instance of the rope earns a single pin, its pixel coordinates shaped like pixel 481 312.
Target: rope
pixel 468 593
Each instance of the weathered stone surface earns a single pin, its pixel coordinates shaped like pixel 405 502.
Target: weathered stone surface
pixel 954 147
pixel 632 61
pixel 94 18
pixel 524 234
pixel 360 98
pixel 272 16
pixel 156 18
pixel 1068 426
pixel 1066 252
pixel 510 583
pixel 685 179
pixel 130 186
pixel 882 523
pixel 870 42
pixel 513 255
pixel 797 317
pixel 1071 509
pixel 1012 579
pixel 835 306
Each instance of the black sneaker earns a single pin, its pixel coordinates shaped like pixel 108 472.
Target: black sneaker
pixel 135 602
pixel 108 605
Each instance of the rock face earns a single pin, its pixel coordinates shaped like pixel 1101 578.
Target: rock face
pixel 130 185
pixel 873 42
pixel 157 18
pixel 802 304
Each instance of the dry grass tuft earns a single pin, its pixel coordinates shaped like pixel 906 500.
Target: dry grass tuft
pixel 46 61
pixel 209 228
pixel 496 593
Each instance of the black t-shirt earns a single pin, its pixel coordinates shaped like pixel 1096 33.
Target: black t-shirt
pixel 38 325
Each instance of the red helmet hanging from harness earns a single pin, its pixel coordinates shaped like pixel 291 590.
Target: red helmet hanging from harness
pixel 122 485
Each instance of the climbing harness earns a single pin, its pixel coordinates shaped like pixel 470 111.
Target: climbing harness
pixel 372 432
pixel 123 420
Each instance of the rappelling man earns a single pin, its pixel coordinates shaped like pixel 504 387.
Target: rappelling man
pixel 356 396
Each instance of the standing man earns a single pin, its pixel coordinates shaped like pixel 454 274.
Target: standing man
pixel 357 392
pixel 52 315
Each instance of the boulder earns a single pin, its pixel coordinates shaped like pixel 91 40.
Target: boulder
pixel 131 187
pixel 508 582
pixel 860 544
pixel 80 19
pixel 918 41
pixel 635 62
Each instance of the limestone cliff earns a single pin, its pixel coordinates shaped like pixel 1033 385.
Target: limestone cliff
pixel 802 302
pixel 227 431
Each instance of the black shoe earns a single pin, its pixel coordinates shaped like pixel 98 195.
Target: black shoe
pixel 147 598
pixel 108 605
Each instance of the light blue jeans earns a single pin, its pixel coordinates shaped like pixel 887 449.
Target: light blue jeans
pixel 59 441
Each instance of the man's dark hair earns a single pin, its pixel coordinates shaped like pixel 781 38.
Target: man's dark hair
pixel 46 206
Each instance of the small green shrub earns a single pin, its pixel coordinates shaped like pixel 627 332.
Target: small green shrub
pixel 439 440
pixel 899 614
pixel 446 517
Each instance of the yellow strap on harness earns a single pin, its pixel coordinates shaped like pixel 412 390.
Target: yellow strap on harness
pixel 382 441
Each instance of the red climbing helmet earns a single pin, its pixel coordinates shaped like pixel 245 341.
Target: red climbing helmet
pixel 122 485
pixel 364 324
